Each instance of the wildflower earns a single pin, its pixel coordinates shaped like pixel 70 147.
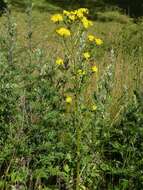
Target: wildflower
pixel 80 12
pixel 98 41
pixel 73 12
pixel 94 69
pixel 86 23
pixel 68 100
pixel 83 10
pixel 57 18
pixel 67 13
pixel 81 72
pixel 72 17
pixel 91 38
pixel 63 32
pixel 86 55
pixel 94 107
pixel 59 61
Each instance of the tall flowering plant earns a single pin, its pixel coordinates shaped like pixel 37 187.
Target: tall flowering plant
pixel 76 68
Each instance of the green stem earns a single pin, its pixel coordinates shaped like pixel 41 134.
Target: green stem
pixel 10 36
pixel 29 35
pixel 77 158
pixel 78 134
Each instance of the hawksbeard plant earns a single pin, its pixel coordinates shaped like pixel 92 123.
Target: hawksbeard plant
pixel 76 69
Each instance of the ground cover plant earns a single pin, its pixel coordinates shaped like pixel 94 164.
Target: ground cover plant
pixel 71 102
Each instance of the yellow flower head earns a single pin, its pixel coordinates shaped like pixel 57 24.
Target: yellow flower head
pixel 72 17
pixel 64 32
pixel 68 100
pixel 76 14
pixel 94 107
pixel 59 61
pixel 94 69
pixel 91 38
pixel 86 23
pixel 98 41
pixel 86 55
pixel 81 72
pixel 81 12
pixel 57 18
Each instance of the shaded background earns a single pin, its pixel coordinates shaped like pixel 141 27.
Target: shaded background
pixel 134 8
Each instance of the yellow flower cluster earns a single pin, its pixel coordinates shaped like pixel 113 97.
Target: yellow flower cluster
pixel 57 18
pixel 68 99
pixel 98 41
pixel 79 17
pixel 86 55
pixel 71 16
pixel 94 69
pixel 86 23
pixel 81 12
pixel 74 15
pixel 59 61
pixel 92 38
pixel 64 32
pixel 81 72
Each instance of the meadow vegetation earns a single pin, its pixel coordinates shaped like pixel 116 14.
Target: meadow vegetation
pixel 71 100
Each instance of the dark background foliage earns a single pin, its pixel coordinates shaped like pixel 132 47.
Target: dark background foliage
pixel 131 7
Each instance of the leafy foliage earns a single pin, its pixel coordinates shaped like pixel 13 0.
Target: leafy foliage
pixel 38 135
